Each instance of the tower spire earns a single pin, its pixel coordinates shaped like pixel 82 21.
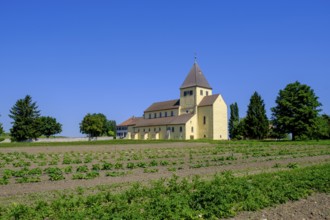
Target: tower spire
pixel 195 57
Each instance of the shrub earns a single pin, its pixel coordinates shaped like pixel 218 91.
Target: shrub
pixel 153 163
pixel 96 167
pixel 141 164
pixel 119 165
pixel 292 165
pixel 115 174
pixel 68 169
pixel 82 169
pixel 150 170
pixel 130 165
pixel 54 173
pixel 107 166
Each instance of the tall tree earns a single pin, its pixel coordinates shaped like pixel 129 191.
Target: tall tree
pixel 233 121
pixel 296 111
pixel 322 130
pixel 1 129
pixel 93 125
pixel 48 126
pixel 24 113
pixel 256 122
pixel 111 128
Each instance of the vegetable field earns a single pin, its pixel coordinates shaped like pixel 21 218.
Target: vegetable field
pixel 113 181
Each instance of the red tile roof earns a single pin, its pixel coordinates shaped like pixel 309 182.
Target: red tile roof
pixel 130 121
pixel 167 105
pixel 208 100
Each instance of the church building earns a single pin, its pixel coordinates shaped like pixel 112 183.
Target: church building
pixel 197 114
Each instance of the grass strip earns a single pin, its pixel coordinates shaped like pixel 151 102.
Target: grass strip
pixel 222 196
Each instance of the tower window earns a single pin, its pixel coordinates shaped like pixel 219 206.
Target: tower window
pixel 201 92
pixel 180 129
pixel 192 129
pixel 149 116
pixel 190 92
pixel 160 114
pixel 172 113
pixel 204 120
pixel 207 93
pixel 165 114
pixel 155 115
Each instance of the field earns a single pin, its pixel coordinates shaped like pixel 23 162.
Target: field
pixel 41 178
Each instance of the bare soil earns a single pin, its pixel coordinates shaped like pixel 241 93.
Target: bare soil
pixel 316 207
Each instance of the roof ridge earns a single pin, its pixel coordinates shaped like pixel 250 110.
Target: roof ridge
pixel 195 77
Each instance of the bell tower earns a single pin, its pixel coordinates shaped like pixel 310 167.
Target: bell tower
pixel 194 88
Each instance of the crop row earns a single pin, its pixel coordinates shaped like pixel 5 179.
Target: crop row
pixel 24 159
pixel 222 196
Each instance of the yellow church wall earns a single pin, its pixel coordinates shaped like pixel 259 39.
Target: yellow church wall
pixel 157 132
pixel 192 133
pixel 220 126
pixel 205 130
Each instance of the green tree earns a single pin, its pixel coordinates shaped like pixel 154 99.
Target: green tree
pixel 1 129
pixel 48 126
pixel 93 125
pixel 256 122
pixel 111 128
pixel 24 113
pixel 233 121
pixel 296 111
pixel 322 130
pixel 240 130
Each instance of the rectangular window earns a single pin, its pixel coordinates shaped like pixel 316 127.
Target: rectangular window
pixel 155 115
pixel 172 113
pixel 172 129
pixel 149 116
pixel 160 129
pixel 180 129
pixel 191 92
pixel 201 92
pixel 185 93
pixel 207 93
pixel 204 120
pixel 160 114
pixel 192 129
pixel 165 114
pixel 154 129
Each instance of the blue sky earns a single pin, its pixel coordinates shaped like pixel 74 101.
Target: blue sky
pixel 118 57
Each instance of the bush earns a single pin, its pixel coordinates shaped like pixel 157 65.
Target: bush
pixel 82 169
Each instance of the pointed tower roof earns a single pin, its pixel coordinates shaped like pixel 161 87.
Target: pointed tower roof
pixel 195 78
